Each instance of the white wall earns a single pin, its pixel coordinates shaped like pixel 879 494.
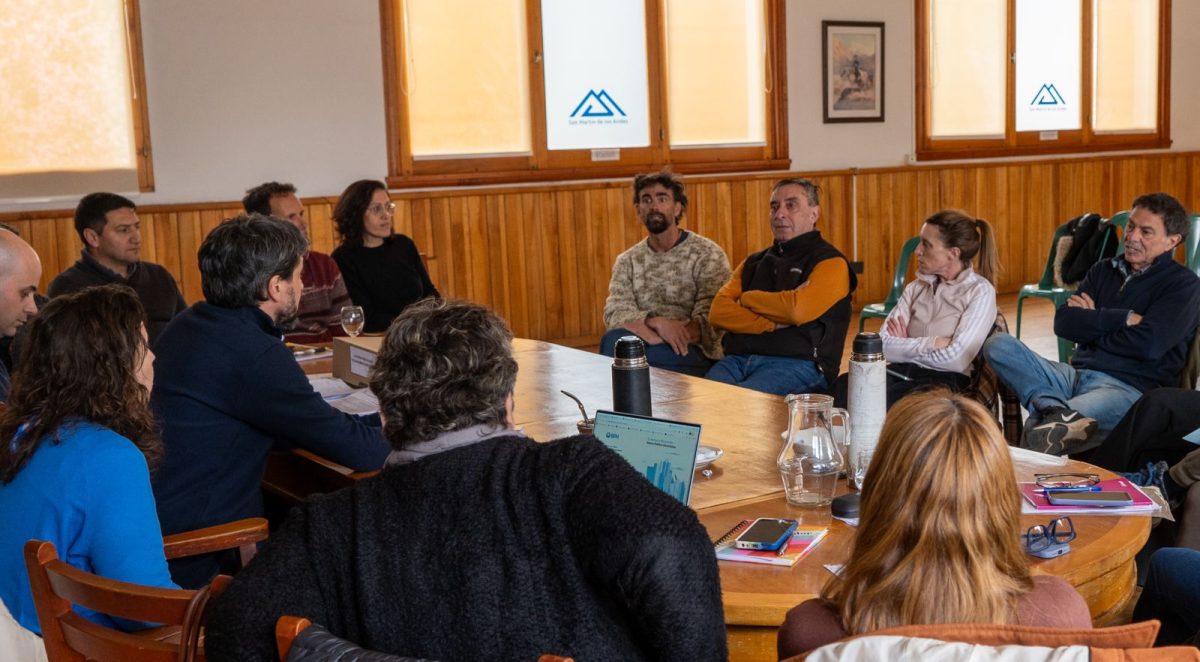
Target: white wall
pixel 242 92
pixel 818 146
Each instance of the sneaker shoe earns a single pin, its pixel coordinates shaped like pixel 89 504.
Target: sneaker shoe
pixel 1154 474
pixel 1060 432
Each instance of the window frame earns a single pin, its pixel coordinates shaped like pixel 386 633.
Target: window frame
pixel 543 164
pixel 1026 143
pixel 137 86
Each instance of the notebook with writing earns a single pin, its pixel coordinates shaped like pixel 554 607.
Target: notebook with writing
pixel 663 451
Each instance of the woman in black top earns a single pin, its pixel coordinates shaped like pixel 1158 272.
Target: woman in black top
pixel 383 270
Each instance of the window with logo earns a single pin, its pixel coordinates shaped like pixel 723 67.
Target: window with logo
pixel 523 90
pixel 1009 77
pixel 73 106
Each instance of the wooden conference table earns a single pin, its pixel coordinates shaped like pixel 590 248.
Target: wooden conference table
pixel 744 483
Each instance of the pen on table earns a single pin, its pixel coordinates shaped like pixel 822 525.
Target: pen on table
pixel 898 375
pixel 1094 488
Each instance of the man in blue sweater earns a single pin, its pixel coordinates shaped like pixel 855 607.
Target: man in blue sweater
pixel 228 391
pixel 1133 318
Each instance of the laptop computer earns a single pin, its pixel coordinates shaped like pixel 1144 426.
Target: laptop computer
pixel 663 451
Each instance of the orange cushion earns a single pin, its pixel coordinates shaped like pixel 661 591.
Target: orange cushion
pixel 1134 635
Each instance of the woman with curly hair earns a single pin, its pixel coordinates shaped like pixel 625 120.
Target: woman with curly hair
pixel 939 536
pixel 476 542
pixel 383 270
pixel 76 443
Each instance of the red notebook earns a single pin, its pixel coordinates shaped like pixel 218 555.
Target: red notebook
pixel 1141 503
pixel 803 539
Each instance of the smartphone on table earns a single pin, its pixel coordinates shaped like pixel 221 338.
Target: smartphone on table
pixel 1110 499
pixel 766 533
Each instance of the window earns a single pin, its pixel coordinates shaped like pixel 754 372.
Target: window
pixel 73 116
pixel 525 90
pixel 1010 77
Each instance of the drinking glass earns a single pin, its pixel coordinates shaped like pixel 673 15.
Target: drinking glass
pixel 859 462
pixel 353 320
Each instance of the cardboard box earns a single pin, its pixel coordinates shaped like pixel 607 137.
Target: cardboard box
pixel 353 358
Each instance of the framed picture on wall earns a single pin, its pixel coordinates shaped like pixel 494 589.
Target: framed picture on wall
pixel 852 71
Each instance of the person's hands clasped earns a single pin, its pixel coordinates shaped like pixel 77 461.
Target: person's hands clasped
pixel 673 332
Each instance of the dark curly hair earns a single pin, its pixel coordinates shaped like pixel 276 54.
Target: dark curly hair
pixel 80 361
pixel 351 207
pixel 258 199
pixel 443 366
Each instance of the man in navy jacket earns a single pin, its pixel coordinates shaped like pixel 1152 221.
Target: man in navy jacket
pixel 227 390
pixel 1133 318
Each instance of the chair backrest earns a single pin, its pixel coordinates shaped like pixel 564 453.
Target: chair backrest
pixel 901 273
pixel 288 628
pixel 70 637
pixel 1047 280
pixel 1118 220
pixel 1191 244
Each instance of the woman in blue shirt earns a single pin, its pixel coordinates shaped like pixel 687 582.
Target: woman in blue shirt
pixel 76 444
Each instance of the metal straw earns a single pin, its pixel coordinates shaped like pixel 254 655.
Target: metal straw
pixel 578 402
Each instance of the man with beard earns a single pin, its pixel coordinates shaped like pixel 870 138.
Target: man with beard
pixel 661 288
pixel 227 391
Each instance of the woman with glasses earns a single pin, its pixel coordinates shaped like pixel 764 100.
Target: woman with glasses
pixel 383 270
pixel 76 443
pixel 939 536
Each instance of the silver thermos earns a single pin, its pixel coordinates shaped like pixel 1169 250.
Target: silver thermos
pixel 867 401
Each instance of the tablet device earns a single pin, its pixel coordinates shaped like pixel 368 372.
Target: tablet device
pixel 663 451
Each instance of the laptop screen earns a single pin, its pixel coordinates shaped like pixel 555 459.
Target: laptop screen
pixel 663 451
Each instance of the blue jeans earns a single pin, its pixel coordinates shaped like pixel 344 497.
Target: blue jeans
pixel 1042 384
pixel 1172 595
pixel 780 375
pixel 694 363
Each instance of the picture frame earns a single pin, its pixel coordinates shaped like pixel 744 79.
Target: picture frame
pixel 852 71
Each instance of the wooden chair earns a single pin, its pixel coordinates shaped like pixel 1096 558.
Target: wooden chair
pixel 69 637
pixel 987 389
pixel 880 310
pixel 287 628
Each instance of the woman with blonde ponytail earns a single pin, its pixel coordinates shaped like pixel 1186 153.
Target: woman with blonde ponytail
pixel 938 539
pixel 944 315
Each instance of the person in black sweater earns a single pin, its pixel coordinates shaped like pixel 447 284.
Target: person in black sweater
pixel 383 270
pixel 109 228
pixel 476 542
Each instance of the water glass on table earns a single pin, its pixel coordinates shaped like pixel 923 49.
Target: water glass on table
pixel 353 319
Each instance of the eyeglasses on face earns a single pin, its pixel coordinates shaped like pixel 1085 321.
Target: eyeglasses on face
pixel 382 208
pixel 1066 481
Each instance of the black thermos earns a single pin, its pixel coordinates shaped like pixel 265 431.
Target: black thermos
pixel 631 377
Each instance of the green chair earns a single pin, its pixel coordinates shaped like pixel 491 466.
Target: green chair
pixel 1191 246
pixel 881 310
pixel 1045 288
pixel 1065 347
pixel 1119 219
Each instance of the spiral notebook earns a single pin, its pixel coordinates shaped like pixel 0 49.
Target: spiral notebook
pixel 803 539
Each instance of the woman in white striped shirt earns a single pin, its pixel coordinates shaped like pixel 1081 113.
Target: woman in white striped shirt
pixel 944 315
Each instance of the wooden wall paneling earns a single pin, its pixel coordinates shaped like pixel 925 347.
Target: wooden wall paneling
pixel 163 236
pixel 41 236
pixel 495 230
pixel 443 240
pixel 478 248
pixel 1082 188
pixel 321 234
pixel 1135 176
pixel 553 283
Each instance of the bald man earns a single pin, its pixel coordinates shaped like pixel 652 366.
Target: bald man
pixel 20 271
